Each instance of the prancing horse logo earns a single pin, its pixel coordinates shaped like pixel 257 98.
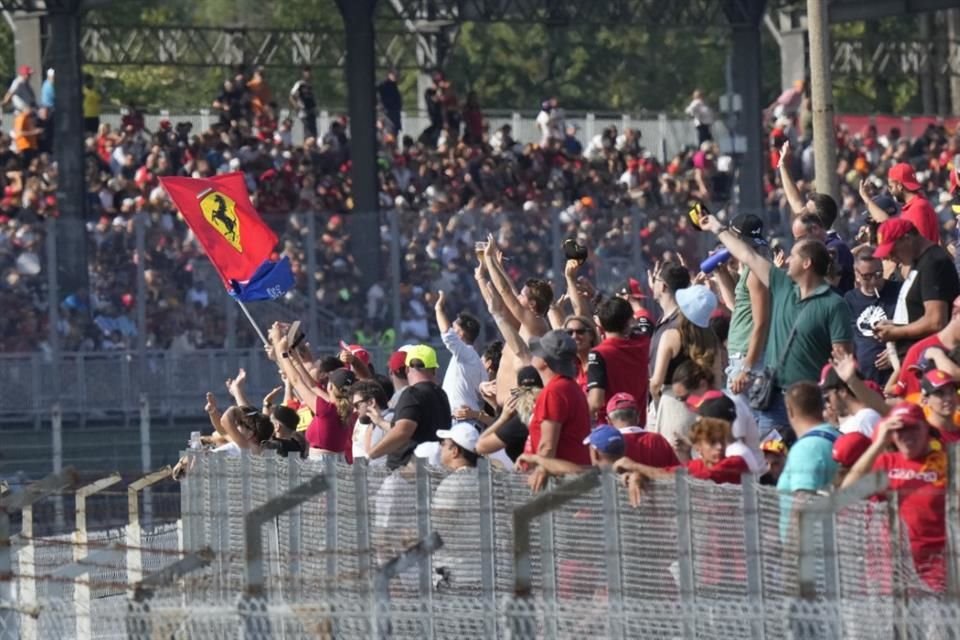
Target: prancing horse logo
pixel 221 212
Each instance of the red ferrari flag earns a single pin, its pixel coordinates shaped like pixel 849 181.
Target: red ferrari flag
pixel 220 214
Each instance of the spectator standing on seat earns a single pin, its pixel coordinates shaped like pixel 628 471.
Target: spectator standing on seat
pixel 20 93
pixel 91 105
pixel 465 371
pixel 392 101
pixel 303 100
pixel 702 115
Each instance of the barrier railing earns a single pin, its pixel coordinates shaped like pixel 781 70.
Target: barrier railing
pixel 318 548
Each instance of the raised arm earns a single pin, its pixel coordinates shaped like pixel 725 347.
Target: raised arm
pixel 581 305
pixel 230 422
pixel 237 388
pixel 739 249
pixel 493 299
pixel 876 213
pixel 726 285
pixel 502 284
pixel 443 323
pixel 864 464
pixel 213 413
pixel 794 199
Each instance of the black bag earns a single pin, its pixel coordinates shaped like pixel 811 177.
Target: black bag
pixel 763 385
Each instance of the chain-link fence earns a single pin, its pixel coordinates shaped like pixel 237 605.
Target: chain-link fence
pixel 357 551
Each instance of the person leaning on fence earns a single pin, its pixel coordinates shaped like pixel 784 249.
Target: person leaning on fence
pixel 646 447
pixel 917 471
pixel 286 439
pixel 561 416
pixel 422 409
pixel 455 507
pixel 709 437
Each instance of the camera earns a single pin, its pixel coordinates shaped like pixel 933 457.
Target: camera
pixel 574 250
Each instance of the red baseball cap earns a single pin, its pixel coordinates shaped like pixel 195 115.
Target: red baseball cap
pixel 888 234
pixel 909 414
pixel 25 70
pixel 935 380
pixel 361 354
pixel 620 401
pixel 397 361
pixel 632 289
pixel 849 447
pixel 903 173
pixel 694 402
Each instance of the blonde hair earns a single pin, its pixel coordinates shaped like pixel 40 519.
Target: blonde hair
pixel 710 430
pixel 526 399
pixel 701 345
pixel 341 400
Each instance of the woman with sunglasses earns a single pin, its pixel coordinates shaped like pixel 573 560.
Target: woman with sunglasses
pixel 584 333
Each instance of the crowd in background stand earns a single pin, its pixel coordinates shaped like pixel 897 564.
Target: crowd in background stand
pixel 449 185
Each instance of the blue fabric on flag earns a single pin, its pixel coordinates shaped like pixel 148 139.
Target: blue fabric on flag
pixel 270 281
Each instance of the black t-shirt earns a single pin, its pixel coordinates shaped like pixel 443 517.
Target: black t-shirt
pixel 933 277
pixel 426 404
pixel 514 433
pixel 867 311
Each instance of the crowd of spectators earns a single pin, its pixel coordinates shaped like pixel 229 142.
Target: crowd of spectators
pixel 449 186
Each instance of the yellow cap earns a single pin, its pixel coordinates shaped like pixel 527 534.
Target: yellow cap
pixel 423 353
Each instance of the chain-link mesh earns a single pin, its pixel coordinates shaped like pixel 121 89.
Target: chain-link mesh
pixel 694 559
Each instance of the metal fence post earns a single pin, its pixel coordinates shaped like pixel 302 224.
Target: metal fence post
pixel 56 429
pixel 754 556
pixel 81 588
pixel 897 556
pixel 488 547
pixel 312 329
pixel 613 552
pixel 146 456
pixel 253 604
pixel 685 549
pixel 362 505
pixel 133 534
pixel 28 573
pixel 423 532
pixel 294 543
pixel 523 515
pixel 140 231
pixel 953 522
pixel 9 612
pixel 556 252
pixel 330 547
pixel 53 294
pixel 395 270
pixel 380 612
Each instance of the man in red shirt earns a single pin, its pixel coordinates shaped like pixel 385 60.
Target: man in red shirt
pixel 613 364
pixel 561 417
pixel 640 445
pixel 709 437
pixel 903 185
pixel 917 470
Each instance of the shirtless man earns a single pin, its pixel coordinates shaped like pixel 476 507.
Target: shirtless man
pixel 525 311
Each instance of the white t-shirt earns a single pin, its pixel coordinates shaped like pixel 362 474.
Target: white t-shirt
pixel 231 449
pixel 863 421
pixel 359 433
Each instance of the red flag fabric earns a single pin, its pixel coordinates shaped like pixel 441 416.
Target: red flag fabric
pixel 220 214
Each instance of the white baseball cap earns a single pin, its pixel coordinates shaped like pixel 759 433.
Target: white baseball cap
pixel 463 433
pixel 430 451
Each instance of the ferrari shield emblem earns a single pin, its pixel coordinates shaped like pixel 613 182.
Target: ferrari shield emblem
pixel 221 212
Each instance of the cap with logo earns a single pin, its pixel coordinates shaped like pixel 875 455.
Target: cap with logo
pixel 713 404
pixel 397 361
pixel 359 352
pixel 749 227
pixel 631 289
pixel 909 415
pixel 528 376
pixel 903 173
pixel 936 380
pixel 342 378
pixel 621 401
pixel 607 440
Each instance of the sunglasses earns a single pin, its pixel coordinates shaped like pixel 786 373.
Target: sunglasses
pixel 578 332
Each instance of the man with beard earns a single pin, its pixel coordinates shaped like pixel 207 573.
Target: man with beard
pixel 903 185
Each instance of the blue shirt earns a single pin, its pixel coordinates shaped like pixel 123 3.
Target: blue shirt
pixel 810 467
pixel 47 94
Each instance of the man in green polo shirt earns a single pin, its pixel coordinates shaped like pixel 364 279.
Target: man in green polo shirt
pixel 801 296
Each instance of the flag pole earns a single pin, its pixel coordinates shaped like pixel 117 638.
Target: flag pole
pixel 253 323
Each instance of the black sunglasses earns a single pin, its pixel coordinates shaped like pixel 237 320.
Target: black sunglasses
pixel 578 332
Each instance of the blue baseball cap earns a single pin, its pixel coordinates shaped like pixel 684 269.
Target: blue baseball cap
pixel 606 439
